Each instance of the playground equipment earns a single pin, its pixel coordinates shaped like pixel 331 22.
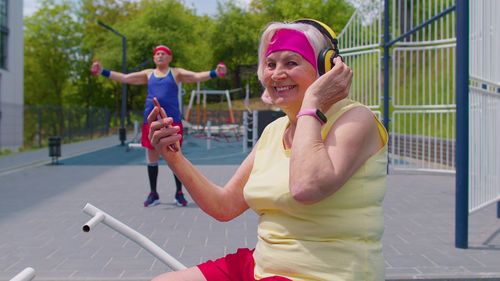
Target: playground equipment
pixel 213 127
pixel 99 216
pixel 26 275
pixel 250 123
pixel 198 93
pixel 136 140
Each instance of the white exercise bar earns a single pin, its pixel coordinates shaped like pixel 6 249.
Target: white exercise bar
pixel 125 230
pixel 26 275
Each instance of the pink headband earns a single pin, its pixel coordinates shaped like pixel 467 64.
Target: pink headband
pixel 162 48
pixel 292 40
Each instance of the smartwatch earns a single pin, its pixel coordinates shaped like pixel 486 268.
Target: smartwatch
pixel 316 113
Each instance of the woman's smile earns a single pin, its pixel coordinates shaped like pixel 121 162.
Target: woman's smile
pixel 284 89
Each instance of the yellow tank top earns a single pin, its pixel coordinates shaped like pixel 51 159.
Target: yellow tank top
pixel 337 238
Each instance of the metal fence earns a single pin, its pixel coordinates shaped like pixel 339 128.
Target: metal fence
pixel 359 46
pixel 69 123
pixel 421 45
pixel 484 104
pixel 423 87
pixel 422 101
pixel 484 152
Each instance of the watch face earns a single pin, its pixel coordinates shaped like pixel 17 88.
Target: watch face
pixel 321 115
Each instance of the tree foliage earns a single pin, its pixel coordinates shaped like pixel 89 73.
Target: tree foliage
pixel 52 39
pixel 63 38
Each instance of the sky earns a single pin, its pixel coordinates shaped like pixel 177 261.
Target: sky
pixel 203 7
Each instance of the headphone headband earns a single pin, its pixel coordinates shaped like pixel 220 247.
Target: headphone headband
pixel 323 28
pixel 326 56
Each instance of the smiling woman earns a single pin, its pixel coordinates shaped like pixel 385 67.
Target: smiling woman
pixel 315 180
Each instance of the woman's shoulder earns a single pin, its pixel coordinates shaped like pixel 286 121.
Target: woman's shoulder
pixel 278 123
pixel 345 110
pixel 341 107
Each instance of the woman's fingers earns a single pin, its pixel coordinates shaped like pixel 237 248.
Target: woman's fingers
pixel 169 141
pixel 157 134
pixel 153 115
pixel 163 112
pixel 161 123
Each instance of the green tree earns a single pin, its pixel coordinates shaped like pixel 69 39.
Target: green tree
pixel 61 40
pixel 51 49
pixel 235 40
pixel 334 13
pixel 101 44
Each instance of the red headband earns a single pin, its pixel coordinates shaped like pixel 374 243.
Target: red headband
pixel 162 48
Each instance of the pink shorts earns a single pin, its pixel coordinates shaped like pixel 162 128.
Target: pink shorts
pixel 145 135
pixel 234 267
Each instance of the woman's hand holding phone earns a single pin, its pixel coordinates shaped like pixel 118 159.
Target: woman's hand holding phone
pixel 159 117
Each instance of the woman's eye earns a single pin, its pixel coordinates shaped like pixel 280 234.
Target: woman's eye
pixel 271 65
pixel 292 63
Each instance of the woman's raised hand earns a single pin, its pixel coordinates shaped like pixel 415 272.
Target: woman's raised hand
pixel 162 134
pixel 330 87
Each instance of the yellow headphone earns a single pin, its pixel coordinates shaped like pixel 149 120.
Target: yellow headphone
pixel 325 56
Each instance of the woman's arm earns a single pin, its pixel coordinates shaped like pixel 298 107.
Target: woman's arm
pixel 222 203
pixel 319 168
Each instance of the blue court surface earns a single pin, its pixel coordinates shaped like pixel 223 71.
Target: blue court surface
pixel 222 152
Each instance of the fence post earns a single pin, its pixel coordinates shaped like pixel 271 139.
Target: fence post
pixel 39 128
pixel 462 125
pixel 498 209
pixel 245 131
pixel 255 124
pixel 386 59
pixel 209 133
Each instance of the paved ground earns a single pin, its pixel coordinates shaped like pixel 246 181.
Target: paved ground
pixel 41 218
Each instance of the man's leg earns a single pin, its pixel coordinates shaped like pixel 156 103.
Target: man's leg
pixel 152 158
pixel 179 196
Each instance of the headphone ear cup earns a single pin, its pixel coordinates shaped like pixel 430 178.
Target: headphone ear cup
pixel 325 60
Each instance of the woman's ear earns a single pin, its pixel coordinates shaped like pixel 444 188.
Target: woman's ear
pixel 266 98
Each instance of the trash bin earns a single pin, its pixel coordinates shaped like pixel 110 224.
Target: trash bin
pixel 55 148
pixel 122 133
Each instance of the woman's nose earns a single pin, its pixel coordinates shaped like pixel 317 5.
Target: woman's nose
pixel 279 74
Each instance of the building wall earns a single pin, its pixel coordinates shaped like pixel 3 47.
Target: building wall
pixel 12 81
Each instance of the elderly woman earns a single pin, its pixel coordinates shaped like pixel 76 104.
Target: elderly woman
pixel 316 177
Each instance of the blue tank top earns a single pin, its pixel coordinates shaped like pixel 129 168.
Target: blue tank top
pixel 165 89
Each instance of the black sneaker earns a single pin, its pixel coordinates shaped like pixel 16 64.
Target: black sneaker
pixel 180 200
pixel 152 200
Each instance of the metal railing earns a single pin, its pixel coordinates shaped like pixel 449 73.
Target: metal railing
pixel 484 104
pixel 484 152
pixel 42 122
